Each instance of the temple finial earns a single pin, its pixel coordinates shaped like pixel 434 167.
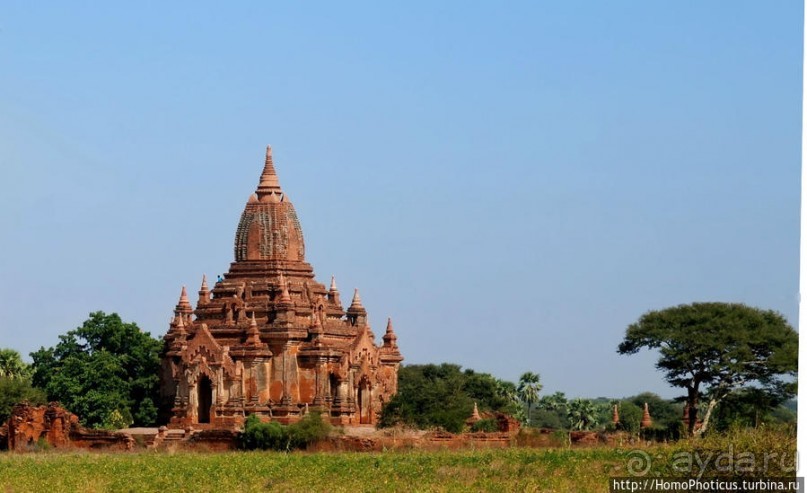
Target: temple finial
pixel 333 283
pixel 269 183
pixel 204 283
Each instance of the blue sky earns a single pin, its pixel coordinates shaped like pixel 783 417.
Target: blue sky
pixel 513 183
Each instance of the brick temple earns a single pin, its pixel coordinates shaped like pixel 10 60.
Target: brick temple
pixel 269 339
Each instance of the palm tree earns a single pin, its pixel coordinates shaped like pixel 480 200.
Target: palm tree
pixel 11 364
pixel 529 385
pixel 507 391
pixel 582 414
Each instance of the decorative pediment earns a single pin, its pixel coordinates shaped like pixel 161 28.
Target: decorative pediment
pixel 202 345
pixel 364 342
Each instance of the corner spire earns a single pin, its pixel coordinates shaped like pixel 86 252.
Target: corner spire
pixel 285 297
pixel 333 293
pixel 204 292
pixel 253 334
pixel 184 305
pixel 269 183
pixel 356 302
pixel 390 339
pixel 333 283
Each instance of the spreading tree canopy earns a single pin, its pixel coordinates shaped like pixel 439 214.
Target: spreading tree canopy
pixel 443 396
pixel 713 349
pixel 102 371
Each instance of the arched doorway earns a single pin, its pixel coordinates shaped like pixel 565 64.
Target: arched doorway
pixel 205 399
pixel 365 402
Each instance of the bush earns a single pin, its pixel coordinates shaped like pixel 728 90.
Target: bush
pixel 487 425
pixel 740 452
pixel 308 430
pixel 16 390
pixel 274 436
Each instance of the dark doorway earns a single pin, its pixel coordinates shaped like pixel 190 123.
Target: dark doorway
pixel 365 402
pixel 205 399
pixel 334 383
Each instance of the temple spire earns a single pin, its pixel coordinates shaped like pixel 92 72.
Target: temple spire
pixel 253 334
pixel 285 297
pixel 204 292
pixel 269 183
pixel 356 303
pixel 184 305
pixel 333 293
pixel 647 421
pixel 390 339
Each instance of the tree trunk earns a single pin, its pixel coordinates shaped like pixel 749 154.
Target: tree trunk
pixel 709 409
pixel 692 402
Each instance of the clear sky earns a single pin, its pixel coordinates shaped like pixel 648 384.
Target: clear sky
pixel 513 183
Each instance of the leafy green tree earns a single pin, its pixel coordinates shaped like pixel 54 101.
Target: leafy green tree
pixel 12 365
pixel 443 396
pixel 529 385
pixel 16 390
pixel 550 411
pixel 509 392
pixel 630 416
pixel 751 408
pixel 15 384
pixel 712 349
pixel 667 415
pixel 106 372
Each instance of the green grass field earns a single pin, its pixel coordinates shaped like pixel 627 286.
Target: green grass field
pixel 765 452
pixel 584 470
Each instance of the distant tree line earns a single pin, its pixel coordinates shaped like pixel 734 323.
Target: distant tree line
pixel 737 365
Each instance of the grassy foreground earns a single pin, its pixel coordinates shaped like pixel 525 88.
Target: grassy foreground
pixel 469 470
pixel 739 453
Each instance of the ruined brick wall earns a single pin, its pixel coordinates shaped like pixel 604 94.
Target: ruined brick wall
pixel 30 427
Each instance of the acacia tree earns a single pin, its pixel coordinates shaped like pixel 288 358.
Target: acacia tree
pixel 713 349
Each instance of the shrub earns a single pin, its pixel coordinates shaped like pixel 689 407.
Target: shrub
pixel 308 430
pixel 274 436
pixel 487 425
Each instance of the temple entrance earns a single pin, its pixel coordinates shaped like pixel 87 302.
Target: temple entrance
pixel 334 386
pixel 205 399
pixel 365 402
